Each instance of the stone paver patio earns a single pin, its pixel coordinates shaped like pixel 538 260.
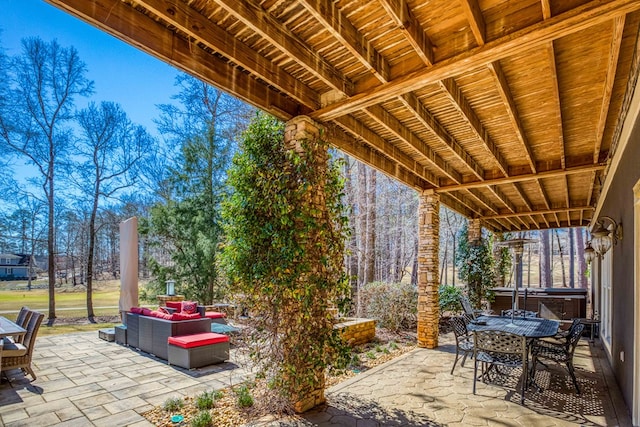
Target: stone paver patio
pixel 85 381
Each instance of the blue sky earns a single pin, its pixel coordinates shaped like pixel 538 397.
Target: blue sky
pixel 121 73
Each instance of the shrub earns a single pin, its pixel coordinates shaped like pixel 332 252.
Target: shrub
pixel 449 299
pixel 172 404
pixel 202 419
pixel 393 305
pixel 206 399
pixel 245 399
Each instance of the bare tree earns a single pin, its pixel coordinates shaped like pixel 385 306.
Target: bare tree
pixel 44 80
pixel 110 147
pixel 545 259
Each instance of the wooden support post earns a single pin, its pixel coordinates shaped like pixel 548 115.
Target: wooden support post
pixel 428 265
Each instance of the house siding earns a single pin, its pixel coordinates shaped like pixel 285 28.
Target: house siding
pixel 619 205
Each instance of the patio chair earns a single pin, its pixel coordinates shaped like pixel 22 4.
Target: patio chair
pixel 558 352
pixel 562 335
pixel 469 311
pixel 22 320
pixel 464 341
pixel 498 348
pixel 519 313
pixel 18 355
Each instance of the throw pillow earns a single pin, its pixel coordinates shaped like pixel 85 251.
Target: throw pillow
pixel 176 305
pixel 163 310
pixel 189 307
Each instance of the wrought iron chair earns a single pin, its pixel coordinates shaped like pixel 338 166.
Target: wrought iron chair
pixel 464 341
pixel 18 355
pixel 519 313
pixel 558 352
pixel 499 348
pixel 562 335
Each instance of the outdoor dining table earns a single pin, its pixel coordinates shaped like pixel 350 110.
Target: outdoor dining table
pixel 8 328
pixel 529 327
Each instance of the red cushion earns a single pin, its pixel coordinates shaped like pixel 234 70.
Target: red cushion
pixel 141 310
pixel 160 315
pixel 198 340
pixel 184 316
pixel 163 310
pixel 189 307
pixel 214 315
pixel 176 305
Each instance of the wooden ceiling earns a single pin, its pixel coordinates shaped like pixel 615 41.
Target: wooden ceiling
pixel 507 108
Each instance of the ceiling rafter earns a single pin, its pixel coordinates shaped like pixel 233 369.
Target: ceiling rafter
pixel 193 24
pixel 349 144
pixel 152 37
pixel 475 19
pixel 537 212
pixel 400 12
pixel 341 28
pixel 358 129
pixel 553 173
pixel 270 29
pixel 426 118
pixel 393 125
pixel 463 200
pixel 459 101
pixel 616 40
pixel 572 21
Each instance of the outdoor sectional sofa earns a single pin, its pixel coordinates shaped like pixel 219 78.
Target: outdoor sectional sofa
pixel 151 334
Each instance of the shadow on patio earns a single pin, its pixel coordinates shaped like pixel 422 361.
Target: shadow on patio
pixel 83 380
pixel 417 390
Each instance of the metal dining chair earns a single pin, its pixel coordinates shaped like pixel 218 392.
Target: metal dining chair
pixel 464 341
pixel 561 352
pixel 499 348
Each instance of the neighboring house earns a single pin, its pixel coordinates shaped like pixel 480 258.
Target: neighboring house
pixel 16 267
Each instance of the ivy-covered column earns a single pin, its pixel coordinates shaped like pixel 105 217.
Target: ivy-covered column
pixel 298 130
pixel 428 276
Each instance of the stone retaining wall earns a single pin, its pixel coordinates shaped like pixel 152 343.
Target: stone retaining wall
pixel 357 331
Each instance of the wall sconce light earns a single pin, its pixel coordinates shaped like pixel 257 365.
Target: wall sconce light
pixel 589 253
pixel 171 287
pixel 603 236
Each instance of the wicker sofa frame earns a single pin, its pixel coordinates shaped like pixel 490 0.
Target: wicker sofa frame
pixel 150 334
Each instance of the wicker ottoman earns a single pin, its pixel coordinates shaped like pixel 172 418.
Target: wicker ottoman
pixel 198 350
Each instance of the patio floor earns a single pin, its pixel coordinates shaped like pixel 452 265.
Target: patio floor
pixel 84 381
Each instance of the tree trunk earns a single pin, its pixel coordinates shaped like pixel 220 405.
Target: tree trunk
pixel 51 262
pixel 564 276
pixel 545 259
pixel 572 255
pixel 370 257
pixel 90 253
pixel 361 226
pixel 582 263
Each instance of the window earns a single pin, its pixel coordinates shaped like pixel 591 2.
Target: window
pixel 8 271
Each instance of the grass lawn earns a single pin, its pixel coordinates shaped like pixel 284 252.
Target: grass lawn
pixel 71 304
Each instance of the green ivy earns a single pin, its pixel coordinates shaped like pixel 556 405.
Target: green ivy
pixel 476 267
pixel 285 256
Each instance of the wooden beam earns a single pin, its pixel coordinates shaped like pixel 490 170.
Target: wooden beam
pixel 476 21
pixel 454 204
pixel 553 173
pixel 462 105
pixel 359 130
pixel 512 111
pixel 522 195
pixel 127 24
pixel 612 66
pixel 197 26
pixel 393 125
pixel 401 14
pixel 570 22
pixel 329 15
pixel 412 103
pixel 477 195
pixel 368 155
pixel 261 22
pixel 546 9
pixel 538 212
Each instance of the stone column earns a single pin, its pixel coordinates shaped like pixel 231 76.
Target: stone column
pixel 297 130
pixel 428 265
pixel 475 230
